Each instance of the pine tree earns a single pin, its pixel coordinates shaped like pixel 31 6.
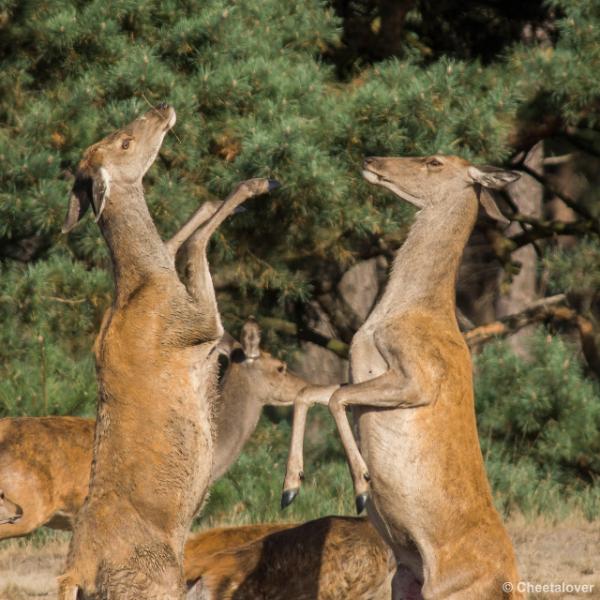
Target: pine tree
pixel 279 89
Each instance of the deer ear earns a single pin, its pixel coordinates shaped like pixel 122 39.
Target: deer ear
pixel 492 177
pixel 88 189
pixel 100 191
pixel 250 338
pixel 489 205
pixel 226 345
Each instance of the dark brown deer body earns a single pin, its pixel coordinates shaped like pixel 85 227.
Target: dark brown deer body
pixel 332 558
pixel 412 392
pixel 156 370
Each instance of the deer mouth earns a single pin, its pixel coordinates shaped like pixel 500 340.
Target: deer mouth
pixel 10 520
pixel 377 179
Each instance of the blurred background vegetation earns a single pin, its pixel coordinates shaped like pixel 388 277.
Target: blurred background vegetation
pixel 302 91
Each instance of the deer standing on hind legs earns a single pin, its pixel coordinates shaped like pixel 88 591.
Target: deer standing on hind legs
pixel 156 370
pixel 412 392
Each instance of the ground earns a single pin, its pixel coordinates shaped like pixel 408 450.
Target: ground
pixel 566 552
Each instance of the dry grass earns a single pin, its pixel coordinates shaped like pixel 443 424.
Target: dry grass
pixel 567 551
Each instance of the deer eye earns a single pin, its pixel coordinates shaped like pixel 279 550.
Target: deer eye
pixel 281 368
pixel 125 144
pixel 434 162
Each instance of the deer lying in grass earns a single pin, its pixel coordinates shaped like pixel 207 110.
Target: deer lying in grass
pixel 45 461
pixel 412 391
pixel 45 467
pixel 332 558
pixel 156 370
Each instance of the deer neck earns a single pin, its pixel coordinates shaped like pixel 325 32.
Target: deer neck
pixel 136 249
pixel 236 419
pixel 425 268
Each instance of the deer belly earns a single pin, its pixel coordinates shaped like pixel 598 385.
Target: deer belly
pixel 395 450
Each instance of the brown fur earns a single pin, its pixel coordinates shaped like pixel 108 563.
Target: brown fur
pixel 332 558
pixel 10 512
pixel 45 467
pixel 427 475
pixel 156 370
pixel 45 461
pixel 412 393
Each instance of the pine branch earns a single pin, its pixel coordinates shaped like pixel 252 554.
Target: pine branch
pixel 570 202
pixel 306 334
pixel 553 308
pixel 536 312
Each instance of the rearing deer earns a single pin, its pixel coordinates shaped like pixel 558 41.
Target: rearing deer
pixel 156 370
pixel 412 392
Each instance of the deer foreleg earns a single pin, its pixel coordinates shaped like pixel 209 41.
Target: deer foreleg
pixel 309 396
pixel 389 390
pixel 197 274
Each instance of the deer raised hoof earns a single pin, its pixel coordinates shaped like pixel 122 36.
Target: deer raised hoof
pixel 273 184
pixel 361 502
pixel 288 497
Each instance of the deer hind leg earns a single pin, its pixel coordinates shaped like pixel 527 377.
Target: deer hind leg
pixel 294 474
pixel 389 390
pixel 197 274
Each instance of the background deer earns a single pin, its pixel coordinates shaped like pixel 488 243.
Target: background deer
pixel 332 558
pixel 156 370
pixel 412 392
pixel 45 461
pixel 252 380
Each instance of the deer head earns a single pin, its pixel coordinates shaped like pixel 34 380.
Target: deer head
pixel 268 379
pixel 119 160
pixel 435 180
pixel 9 511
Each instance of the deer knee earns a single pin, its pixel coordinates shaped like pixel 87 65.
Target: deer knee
pixel 337 402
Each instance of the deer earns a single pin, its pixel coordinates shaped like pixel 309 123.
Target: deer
pixel 331 558
pixel 45 462
pixel 156 369
pixel 45 466
pixel 419 467
pixel 253 379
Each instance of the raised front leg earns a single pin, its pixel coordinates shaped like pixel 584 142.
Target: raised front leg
pixel 390 390
pixel 309 396
pixel 197 274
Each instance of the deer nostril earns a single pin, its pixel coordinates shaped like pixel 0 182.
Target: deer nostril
pixel 163 106
pixel 369 161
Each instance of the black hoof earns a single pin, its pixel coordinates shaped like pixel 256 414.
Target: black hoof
pixel 361 503
pixel 273 184
pixel 288 497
